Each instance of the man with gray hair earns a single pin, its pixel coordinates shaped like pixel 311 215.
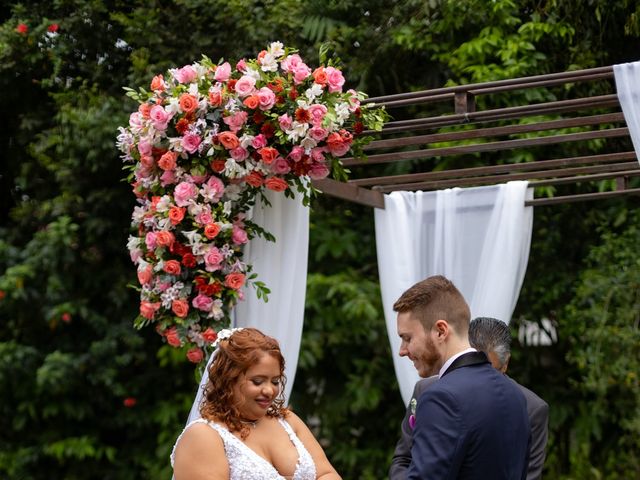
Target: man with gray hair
pixel 493 337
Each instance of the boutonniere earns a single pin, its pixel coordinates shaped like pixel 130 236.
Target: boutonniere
pixel 412 408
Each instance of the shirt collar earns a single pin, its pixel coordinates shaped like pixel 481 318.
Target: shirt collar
pixel 448 363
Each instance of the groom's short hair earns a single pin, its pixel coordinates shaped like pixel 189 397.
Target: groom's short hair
pixel 435 298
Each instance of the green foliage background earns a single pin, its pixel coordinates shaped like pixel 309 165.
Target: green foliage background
pixel 69 356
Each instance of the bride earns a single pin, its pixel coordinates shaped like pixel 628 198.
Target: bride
pixel 245 432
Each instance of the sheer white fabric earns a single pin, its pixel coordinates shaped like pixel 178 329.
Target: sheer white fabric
pixel 627 76
pixel 283 267
pixel 478 238
pixel 245 464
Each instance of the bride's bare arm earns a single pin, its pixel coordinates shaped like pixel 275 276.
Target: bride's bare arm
pixel 200 455
pixel 324 469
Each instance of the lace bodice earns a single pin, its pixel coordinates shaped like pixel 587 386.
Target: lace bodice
pixel 245 464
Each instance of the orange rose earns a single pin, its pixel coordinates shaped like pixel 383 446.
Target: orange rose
pixel 268 154
pixel 195 355
pixel 176 214
pixel 229 140
pixel 157 84
pixel 144 109
pixel 209 335
pixel 180 308
pixel 188 103
pixel 165 239
pixel 276 184
pixel 252 102
pixel 215 98
pixel 234 280
pixel 172 337
pixel 146 161
pixel 255 179
pixel 168 161
pixel 148 309
pixel 172 267
pixel 320 76
pixel 211 230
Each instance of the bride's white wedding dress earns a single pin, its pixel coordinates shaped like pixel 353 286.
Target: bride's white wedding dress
pixel 245 464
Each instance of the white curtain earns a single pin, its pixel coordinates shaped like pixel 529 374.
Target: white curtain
pixel 478 238
pixel 283 267
pixel 627 77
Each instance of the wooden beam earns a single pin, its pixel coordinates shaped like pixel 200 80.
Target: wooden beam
pixel 537 202
pixel 350 192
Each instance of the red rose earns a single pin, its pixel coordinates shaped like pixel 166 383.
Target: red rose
pixel 195 355
pixel 189 260
pixel 2 294
pixel 129 402
pixel 66 317
pixel 276 184
pixel 180 308
pixel 234 280
pixel 172 337
pixel 209 335
pixel 53 28
pixel 218 165
pixel 22 28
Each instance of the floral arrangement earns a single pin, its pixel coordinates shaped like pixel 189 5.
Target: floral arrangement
pixel 204 143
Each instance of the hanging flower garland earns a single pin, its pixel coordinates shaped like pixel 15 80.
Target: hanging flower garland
pixel 206 140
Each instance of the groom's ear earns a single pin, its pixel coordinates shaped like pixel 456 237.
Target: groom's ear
pixel 442 329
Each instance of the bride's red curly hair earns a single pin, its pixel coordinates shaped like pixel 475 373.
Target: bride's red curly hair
pixel 233 358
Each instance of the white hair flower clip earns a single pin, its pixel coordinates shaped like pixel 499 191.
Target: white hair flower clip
pixel 225 334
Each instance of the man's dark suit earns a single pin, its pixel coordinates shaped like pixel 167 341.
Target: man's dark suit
pixel 537 409
pixel 472 424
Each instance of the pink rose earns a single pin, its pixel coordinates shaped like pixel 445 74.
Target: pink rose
pixel 150 240
pixel 159 117
pixel 241 66
pixel 235 121
pixel 285 121
pixel 184 193
pixel 301 73
pixel 317 154
pixel 335 79
pixel 290 63
pixel 317 113
pixel 259 141
pixel 168 178
pixel 212 259
pixel 186 74
pixel 239 236
pixel 267 98
pixel 190 142
pixel 296 153
pixel 204 217
pixel 214 188
pixel 239 154
pixel 318 133
pixel 318 171
pixel 245 86
pixel 354 103
pixel 202 302
pixel 280 166
pixel 135 119
pixel 223 72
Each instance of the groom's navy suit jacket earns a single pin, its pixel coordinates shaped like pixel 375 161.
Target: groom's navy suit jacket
pixel 471 424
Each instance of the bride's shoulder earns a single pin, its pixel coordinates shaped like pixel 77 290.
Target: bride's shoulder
pixel 199 449
pixel 200 432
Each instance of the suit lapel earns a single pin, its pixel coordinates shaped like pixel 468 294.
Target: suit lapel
pixel 471 358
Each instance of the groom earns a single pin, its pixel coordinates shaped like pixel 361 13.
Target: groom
pixel 464 420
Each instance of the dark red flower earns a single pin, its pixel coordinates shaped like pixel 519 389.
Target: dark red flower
pixel 129 402
pixel 22 28
pixel 53 28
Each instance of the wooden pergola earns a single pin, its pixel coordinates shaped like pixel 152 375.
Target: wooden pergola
pixel 556 113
